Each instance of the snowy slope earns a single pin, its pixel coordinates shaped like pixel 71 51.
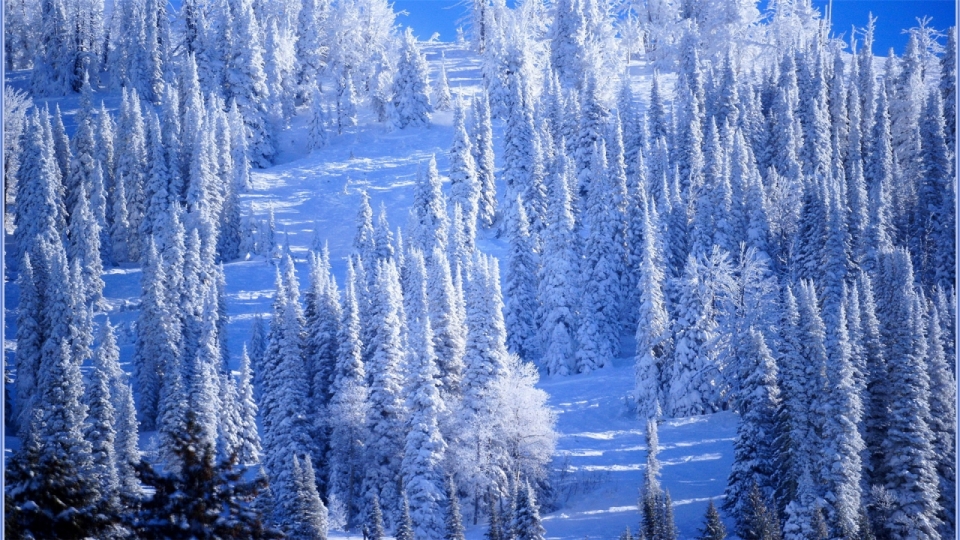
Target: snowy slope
pixel 600 455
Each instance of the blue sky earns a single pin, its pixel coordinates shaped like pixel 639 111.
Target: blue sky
pixel 429 16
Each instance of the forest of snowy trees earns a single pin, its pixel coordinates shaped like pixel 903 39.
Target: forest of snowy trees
pixel 772 224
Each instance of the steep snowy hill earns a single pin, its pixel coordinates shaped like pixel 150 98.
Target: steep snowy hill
pixel 599 461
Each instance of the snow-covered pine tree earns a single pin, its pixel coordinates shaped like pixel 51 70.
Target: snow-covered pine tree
pixel 310 520
pixel 558 276
pixel 453 524
pixel 653 326
pixel 30 338
pixel 909 463
pixel 348 407
pixel 50 489
pixel 346 101
pixel 713 527
pixel 842 412
pixel 310 48
pixel 943 391
pixel 411 101
pixel 248 81
pixel 125 444
pixel 384 434
pixel 482 135
pixel 39 204
pixel 157 339
pixel 521 287
pixel 430 221
pixel 527 524
pixel 695 387
pixel 283 396
pixel 604 253
pixel 441 92
pixel 99 430
pixel 449 334
pixel 465 188
pixel 936 197
pixel 319 137
pixel 55 55
pixel 422 466
pixel 519 149
pixel 755 453
pixel 249 450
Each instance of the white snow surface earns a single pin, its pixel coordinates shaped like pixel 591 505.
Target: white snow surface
pixel 600 456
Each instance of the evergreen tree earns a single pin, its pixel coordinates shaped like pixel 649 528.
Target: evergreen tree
pixel 249 437
pixel 404 528
pixel 348 406
pixel 449 341
pixel 942 411
pixel 521 287
pixel 526 520
pixel 761 521
pixel 30 337
pixel 713 527
pixel 205 499
pixel 50 493
pixel 909 466
pixel 384 446
pixel 556 293
pixel 453 525
pixel 430 221
pixel 411 102
pixel 754 451
pixel 465 188
pixel 319 137
pixel 99 430
pixel 935 198
pixel 311 26
pixel 311 514
pixel 653 325
pixel 482 148
pixel 346 101
pixel 421 467
pixel 248 82
pixel 441 93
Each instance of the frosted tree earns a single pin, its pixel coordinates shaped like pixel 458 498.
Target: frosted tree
pixel 348 406
pixel 125 444
pixel 319 137
pixel 384 438
pixel 84 249
pixel 755 455
pixel 248 82
pixel 346 101
pixel 249 450
pixel 568 42
pixel 527 524
pixel 604 254
pixel 49 474
pixel 465 188
pixel 131 160
pixel 411 101
pixel 653 324
pixel 521 287
pixel 519 150
pixel 908 446
pixel 695 385
pixel 38 201
pixel 441 92
pixel 30 337
pixel 283 397
pixel 453 525
pixel 310 47
pixel 942 409
pixel 99 430
pixel 311 515
pixel 157 340
pixel 948 89
pixel 55 51
pixel 430 227
pixel 558 277
pixel 935 197
pixel 422 464
pixel 449 330
pixel 482 148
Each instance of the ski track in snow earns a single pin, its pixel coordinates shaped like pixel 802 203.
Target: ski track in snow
pixel 601 452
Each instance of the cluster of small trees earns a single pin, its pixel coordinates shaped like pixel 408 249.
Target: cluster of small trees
pixel 402 381
pixel 781 242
